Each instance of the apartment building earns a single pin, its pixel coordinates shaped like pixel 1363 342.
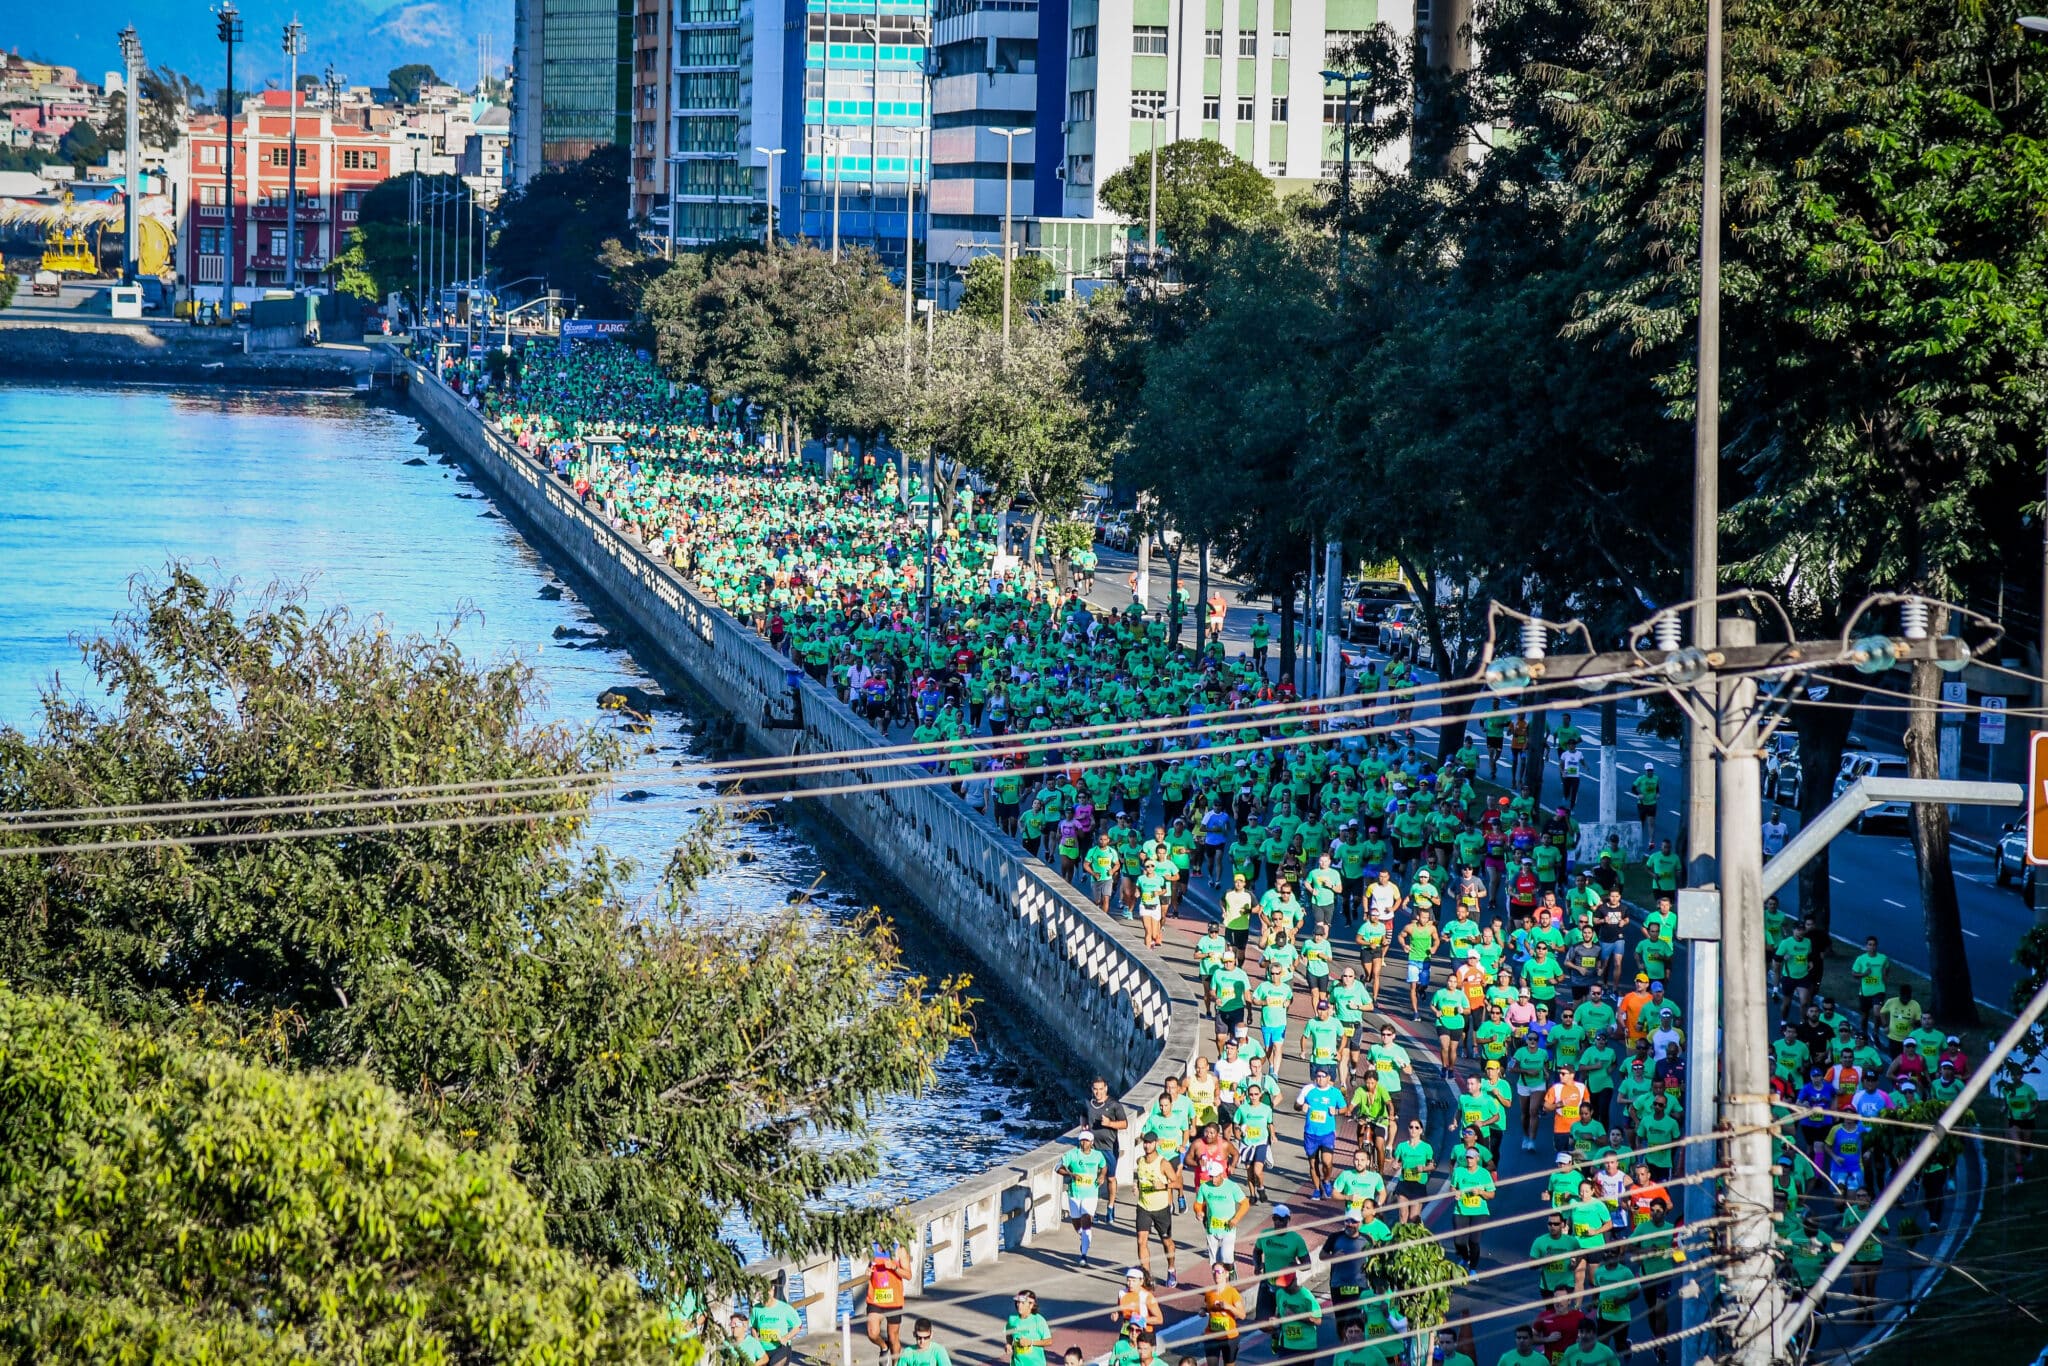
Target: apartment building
pixel 710 131
pixel 986 77
pixel 1243 73
pixel 338 163
pixel 572 91
pixel 654 83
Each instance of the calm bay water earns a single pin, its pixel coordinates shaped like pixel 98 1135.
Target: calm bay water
pixel 104 483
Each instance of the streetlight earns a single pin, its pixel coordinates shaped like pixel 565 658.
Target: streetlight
pixel 294 44
pixel 1158 116
pixel 771 153
pixel 1344 184
pixel 1706 479
pixel 835 148
pixel 1009 181
pixel 909 246
pixel 132 65
pixel 228 28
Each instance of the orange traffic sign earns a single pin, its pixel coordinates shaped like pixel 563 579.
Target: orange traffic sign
pixel 2037 798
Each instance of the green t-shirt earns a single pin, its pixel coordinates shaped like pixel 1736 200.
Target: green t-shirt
pixel 1323 1038
pixel 1255 1119
pixel 934 1355
pixel 1217 1202
pixel 1083 1168
pixel 1614 1287
pixel 1870 969
pixel 1556 1254
pixel 1471 1189
pixel 1415 1158
pixel 1232 986
pixel 1033 1327
pixel 774 1323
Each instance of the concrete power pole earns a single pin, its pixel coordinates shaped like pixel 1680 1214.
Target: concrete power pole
pixel 1333 626
pixel 294 44
pixel 1750 1277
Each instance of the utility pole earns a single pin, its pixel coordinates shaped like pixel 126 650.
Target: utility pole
pixel 1010 136
pixel 909 249
pixel 228 28
pixel 294 44
pixel 1751 1273
pixel 1333 611
pixel 132 66
pixel 1706 456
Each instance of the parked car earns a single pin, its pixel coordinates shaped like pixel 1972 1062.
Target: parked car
pixel 1398 626
pixel 1366 602
pixel 2011 863
pixel 1116 531
pixel 1863 764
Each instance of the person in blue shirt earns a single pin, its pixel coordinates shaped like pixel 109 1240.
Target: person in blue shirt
pixel 1320 1104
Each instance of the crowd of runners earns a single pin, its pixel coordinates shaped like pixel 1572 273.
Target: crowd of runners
pixel 1368 922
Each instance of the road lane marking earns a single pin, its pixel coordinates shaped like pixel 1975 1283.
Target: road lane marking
pixel 1833 878
pixel 1900 904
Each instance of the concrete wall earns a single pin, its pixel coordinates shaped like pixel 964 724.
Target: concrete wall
pixel 1100 995
pixel 168 352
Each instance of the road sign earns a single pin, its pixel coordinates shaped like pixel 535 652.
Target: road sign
pixel 2037 798
pixel 1991 722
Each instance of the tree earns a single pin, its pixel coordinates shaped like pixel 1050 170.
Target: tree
pixel 655 1075
pixel 556 226
pixel 83 145
pixel 166 99
pixel 1883 328
pixel 407 81
pixel 168 1202
pixel 1204 193
pixel 981 296
pixel 382 254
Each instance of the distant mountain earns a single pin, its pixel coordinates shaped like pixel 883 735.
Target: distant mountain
pixel 361 39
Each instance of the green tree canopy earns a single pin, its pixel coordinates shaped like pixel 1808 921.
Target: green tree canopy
pixel 406 82
pixel 981 296
pixel 165 1202
pixel 654 1075
pixel 1204 193
pixel 556 226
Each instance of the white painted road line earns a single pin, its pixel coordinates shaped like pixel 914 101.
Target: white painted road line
pixel 1973 934
pixel 1900 904
pixel 1833 878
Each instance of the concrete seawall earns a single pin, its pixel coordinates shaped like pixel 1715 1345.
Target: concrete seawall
pixel 1097 993
pixel 170 352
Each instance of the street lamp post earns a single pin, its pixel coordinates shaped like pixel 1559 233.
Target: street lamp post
pixel 836 149
pixel 294 44
pixel 1152 194
pixel 1700 825
pixel 909 245
pixel 228 28
pixel 1344 182
pixel 771 153
pixel 1009 182
pixel 132 66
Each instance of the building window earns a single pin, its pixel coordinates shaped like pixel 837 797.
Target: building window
pixel 1148 104
pixel 1279 109
pixel 277 242
pixel 282 156
pixel 1212 43
pixel 1212 108
pixel 1084 41
pixel 1248 44
pixel 1341 42
pixel 351 200
pixel 209 155
pixel 1247 108
pixel 1283 46
pixel 1276 168
pixel 1080 169
pixel 1081 106
pixel 1333 110
pixel 1147 41
pixel 209 241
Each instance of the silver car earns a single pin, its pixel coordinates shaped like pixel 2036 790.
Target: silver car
pixel 1863 764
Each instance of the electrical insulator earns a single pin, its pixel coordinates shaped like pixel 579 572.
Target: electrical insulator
pixel 1913 618
pixel 1533 643
pixel 1667 630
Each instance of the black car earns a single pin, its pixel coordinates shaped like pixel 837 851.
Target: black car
pixel 1370 600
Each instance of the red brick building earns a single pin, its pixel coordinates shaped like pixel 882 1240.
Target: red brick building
pixel 339 163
